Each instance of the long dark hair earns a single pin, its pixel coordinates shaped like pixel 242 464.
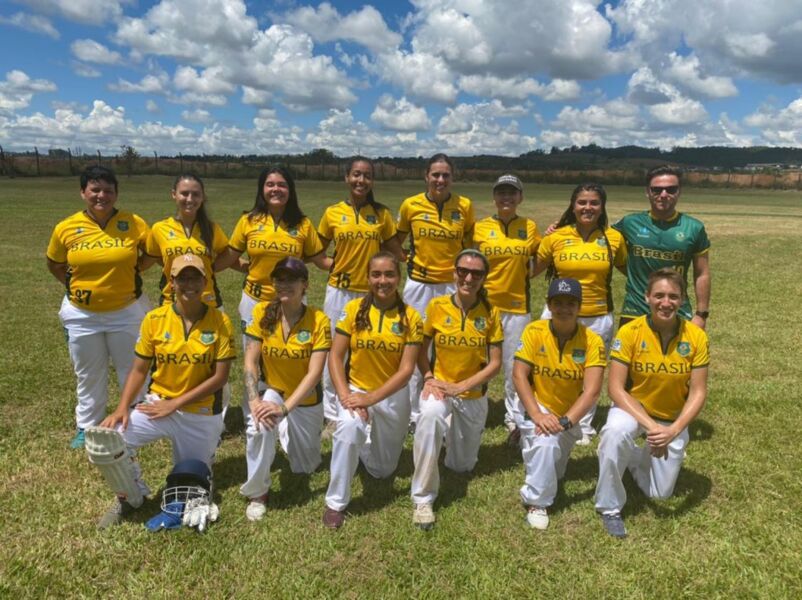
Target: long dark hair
pixel 569 218
pixel 292 211
pixel 202 217
pixel 362 320
pixel 377 207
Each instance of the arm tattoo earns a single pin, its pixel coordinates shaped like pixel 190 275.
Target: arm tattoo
pixel 251 386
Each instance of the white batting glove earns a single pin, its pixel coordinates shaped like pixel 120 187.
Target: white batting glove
pixel 199 512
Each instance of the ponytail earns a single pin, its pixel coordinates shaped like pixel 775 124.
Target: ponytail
pixel 271 316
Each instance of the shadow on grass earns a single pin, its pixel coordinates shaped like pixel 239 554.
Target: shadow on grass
pixel 700 430
pixel 690 491
pixel 378 493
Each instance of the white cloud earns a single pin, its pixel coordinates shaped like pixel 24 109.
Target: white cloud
pixel 679 111
pixel 666 103
pixel 686 73
pixel 422 76
pixel 400 115
pixel 95 52
pixel 210 81
pixel 516 88
pixel 256 97
pixel 343 135
pixel 32 23
pixel 149 84
pixel 325 24
pixel 196 116
pixel 91 12
pixel 83 70
pixel 152 107
pixel 17 91
pixel 781 126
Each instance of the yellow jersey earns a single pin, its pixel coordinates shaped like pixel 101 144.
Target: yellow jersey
pixel 375 353
pixel 659 378
pixel 588 261
pixel 102 275
pixel 460 341
pixel 266 243
pixel 437 235
pixel 357 235
pixel 507 248
pixel 286 362
pixel 557 374
pixel 183 360
pixel 167 239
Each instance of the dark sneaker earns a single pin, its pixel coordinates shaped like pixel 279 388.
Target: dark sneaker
pixel 423 516
pixel 116 514
pixel 614 525
pixel 333 519
pixel 78 441
pixel 514 438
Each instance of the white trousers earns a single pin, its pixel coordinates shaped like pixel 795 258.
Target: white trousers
pixel 92 339
pixel 463 436
pixel 418 295
pixel 191 435
pixel 299 435
pixel 378 443
pixel 336 299
pixel 603 325
pixel 545 458
pixel 617 451
pixel 513 325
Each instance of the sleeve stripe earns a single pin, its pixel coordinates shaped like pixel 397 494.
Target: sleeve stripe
pixel 341 332
pixel 321 349
pixel 619 360
pixel 699 366
pixel 253 337
pixel 523 360
pixel 142 356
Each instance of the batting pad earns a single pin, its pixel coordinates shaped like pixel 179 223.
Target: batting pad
pixel 106 450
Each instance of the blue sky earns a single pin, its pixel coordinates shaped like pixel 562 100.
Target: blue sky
pixel 398 78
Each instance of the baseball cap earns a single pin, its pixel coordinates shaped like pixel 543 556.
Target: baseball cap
pixel 509 180
pixel 565 287
pixel 187 260
pixel 292 266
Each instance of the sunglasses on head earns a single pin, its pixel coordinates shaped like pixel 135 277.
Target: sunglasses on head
pixel 462 273
pixel 668 189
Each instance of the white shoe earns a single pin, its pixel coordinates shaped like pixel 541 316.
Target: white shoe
pixel 537 517
pixel 585 441
pixel 256 509
pixel 423 516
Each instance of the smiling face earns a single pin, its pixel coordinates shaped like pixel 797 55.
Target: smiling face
pixel 663 193
pixel 276 192
pixel 564 309
pixel 438 181
pixel 587 208
pixel 359 180
pixel 507 198
pixel 188 195
pixel 469 275
pixel 290 289
pixel 383 277
pixel 189 284
pixel 664 298
pixel 100 197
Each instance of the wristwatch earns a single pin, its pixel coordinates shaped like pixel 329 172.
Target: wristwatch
pixel 703 313
pixel 565 423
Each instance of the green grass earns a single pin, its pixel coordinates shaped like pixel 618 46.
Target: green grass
pixel 733 529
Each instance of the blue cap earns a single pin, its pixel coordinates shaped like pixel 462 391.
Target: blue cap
pixel 292 266
pixel 565 287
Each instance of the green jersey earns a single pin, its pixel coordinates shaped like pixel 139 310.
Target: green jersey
pixel 652 245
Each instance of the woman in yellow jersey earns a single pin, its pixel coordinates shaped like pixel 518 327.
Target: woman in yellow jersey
pixel 558 374
pixel 439 224
pixel 509 242
pixel 465 334
pixel 658 383
pixel 94 254
pixel 372 358
pixel 359 228
pixel 186 348
pixel 288 342
pixel 584 248
pixel 189 231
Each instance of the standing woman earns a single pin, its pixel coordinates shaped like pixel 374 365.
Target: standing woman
pixel 658 384
pixel 190 231
pixel 94 254
pixel 466 336
pixel 584 248
pixel 372 358
pixel 508 242
pixel 440 225
pixel 359 228
pixel 288 342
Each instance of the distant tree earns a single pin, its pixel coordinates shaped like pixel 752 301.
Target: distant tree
pixel 129 156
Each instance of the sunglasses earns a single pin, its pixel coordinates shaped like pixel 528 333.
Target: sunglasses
pixel 669 189
pixel 462 273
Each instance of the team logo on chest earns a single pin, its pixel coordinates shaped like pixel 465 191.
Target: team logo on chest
pixel 479 323
pixel 122 225
pixel 521 234
pixel 680 236
pixel 293 232
pixel 207 337
pixel 396 328
pixel 304 335
pixel 371 219
pixel 455 215
pixel 345 219
pixel 578 355
pixel 683 348
pixel 601 242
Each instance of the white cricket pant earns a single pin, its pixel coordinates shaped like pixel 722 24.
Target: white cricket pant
pixel 93 338
pixel 617 451
pixel 299 435
pixel 418 295
pixel 463 436
pixel 336 299
pixel 192 436
pixel 513 325
pixel 378 443
pixel 545 458
pixel 603 325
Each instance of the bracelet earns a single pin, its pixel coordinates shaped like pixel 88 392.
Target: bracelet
pixel 428 378
pixel 284 411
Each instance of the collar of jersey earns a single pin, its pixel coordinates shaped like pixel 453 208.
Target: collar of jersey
pixel 673 217
pixel 554 333
pixel 470 308
pixel 446 201
pixel 89 216
pixel 205 310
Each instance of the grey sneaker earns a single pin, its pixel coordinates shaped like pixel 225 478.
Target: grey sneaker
pixel 614 525
pixel 117 513
pixel 423 516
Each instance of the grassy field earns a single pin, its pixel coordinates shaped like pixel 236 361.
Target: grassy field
pixel 733 529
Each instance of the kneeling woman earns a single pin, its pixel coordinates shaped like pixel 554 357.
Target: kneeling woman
pixel 466 335
pixel 558 375
pixel 188 346
pixel 293 341
pixel 658 382
pixel 378 338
